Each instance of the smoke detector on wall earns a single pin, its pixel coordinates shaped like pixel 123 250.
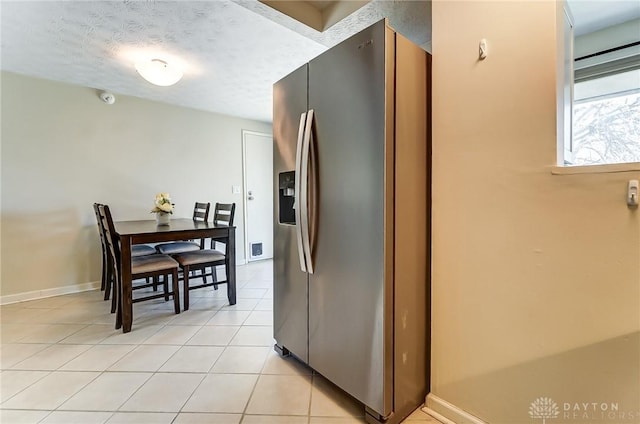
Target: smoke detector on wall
pixel 107 97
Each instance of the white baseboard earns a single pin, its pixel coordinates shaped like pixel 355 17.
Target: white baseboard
pixel 57 291
pixel 41 294
pixel 448 413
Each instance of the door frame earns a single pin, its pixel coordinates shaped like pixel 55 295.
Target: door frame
pixel 247 253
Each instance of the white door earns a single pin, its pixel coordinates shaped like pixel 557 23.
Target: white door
pixel 258 195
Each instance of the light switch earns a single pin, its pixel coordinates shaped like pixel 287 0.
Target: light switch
pixel 235 189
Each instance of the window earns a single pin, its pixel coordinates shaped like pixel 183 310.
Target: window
pixel 606 120
pixel 601 95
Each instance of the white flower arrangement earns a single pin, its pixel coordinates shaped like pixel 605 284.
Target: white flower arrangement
pixel 163 204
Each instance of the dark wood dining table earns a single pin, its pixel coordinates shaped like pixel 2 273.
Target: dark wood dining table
pixel 147 231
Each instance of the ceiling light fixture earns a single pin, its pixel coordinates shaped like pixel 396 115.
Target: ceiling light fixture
pixel 159 72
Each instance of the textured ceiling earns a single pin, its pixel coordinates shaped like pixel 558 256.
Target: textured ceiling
pixel 230 55
pixel 231 51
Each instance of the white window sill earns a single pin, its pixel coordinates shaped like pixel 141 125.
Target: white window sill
pixel 596 169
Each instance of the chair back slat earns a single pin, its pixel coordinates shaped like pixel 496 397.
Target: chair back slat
pixel 110 239
pixel 223 214
pixel 201 211
pixel 225 206
pixel 105 278
pixel 96 209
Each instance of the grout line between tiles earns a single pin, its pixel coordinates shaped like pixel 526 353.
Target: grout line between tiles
pixel 246 405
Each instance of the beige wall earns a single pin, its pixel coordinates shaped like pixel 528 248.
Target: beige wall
pixel 536 277
pixel 64 149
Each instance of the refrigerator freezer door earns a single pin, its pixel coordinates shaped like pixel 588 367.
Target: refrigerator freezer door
pixel 290 283
pixel 348 315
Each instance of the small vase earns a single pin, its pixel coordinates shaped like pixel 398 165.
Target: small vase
pixel 162 218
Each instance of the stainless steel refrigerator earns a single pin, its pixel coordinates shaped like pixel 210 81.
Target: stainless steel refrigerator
pixel 351 254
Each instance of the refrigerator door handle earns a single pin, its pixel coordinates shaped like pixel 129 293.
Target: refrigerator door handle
pixel 304 191
pixel 297 192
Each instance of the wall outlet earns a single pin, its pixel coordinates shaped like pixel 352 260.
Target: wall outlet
pixel 235 189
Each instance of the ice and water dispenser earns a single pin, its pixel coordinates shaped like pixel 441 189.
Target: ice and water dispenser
pixel 286 198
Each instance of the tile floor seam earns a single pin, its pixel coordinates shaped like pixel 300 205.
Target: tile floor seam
pixel 148 412
pixel 74 393
pixel 190 396
pixel 246 405
pixel 46 416
pixel 204 377
pixel 25 388
pixel 11 368
pixel 55 369
pixel 134 392
pixel 310 397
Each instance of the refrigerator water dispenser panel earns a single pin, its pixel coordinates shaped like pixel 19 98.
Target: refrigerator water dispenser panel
pixel 286 198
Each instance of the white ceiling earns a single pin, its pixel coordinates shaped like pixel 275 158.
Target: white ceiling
pixel 593 15
pixel 232 51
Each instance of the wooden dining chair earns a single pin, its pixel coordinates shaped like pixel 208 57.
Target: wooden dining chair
pixel 207 259
pixel 223 214
pixel 200 260
pixel 142 267
pixel 106 272
pixel 107 275
pixel 200 213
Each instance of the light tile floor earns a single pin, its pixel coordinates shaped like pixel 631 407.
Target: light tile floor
pixel 63 362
